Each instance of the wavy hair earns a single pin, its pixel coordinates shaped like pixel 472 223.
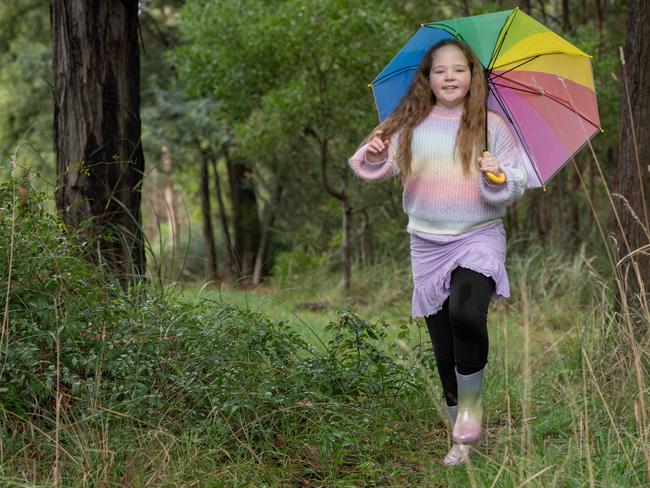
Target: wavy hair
pixel 418 102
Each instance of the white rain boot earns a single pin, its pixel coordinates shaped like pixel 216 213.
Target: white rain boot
pixel 458 452
pixel 467 428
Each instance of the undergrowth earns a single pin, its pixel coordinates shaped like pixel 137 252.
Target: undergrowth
pixel 102 386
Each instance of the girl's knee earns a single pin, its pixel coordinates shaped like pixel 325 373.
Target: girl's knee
pixel 467 315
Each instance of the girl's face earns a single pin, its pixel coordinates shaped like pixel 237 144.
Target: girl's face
pixel 450 76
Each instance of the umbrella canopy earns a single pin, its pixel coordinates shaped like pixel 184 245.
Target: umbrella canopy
pixel 541 84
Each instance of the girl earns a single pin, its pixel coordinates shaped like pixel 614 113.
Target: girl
pixel 432 140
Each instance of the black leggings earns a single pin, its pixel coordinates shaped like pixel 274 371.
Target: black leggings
pixel 459 331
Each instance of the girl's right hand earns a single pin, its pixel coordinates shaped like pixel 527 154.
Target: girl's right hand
pixel 377 149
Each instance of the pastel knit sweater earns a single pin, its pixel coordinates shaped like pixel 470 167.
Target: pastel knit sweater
pixel 438 198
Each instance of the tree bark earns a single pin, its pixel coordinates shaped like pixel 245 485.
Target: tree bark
pixel 566 16
pixel 245 221
pixel 268 218
pixel 97 127
pixel 599 22
pixel 634 153
pixel 223 218
pixel 206 215
pixel 541 216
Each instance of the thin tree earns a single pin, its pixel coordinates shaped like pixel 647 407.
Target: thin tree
pixel 97 126
pixel 634 153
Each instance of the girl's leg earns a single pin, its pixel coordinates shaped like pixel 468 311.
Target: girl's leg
pixel 468 306
pixel 442 340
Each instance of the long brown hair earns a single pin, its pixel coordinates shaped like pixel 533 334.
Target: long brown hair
pixel 420 99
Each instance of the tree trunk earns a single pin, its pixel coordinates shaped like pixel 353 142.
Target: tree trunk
pixel 342 197
pixel 541 214
pixel 634 151
pixel 345 246
pixel 566 16
pixel 223 218
pixel 267 223
pixel 599 23
pixel 245 220
pixel 97 127
pixel 206 214
pixel 542 9
pixel 466 10
pixel 169 195
pixel 363 234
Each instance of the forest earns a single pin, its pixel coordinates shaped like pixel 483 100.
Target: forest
pixel 198 290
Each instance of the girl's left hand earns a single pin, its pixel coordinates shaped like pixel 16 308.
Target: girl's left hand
pixel 488 163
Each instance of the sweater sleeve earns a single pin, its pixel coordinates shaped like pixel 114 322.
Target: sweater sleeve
pixel 504 147
pixel 374 172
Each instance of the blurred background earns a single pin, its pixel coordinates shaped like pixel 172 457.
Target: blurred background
pixel 250 111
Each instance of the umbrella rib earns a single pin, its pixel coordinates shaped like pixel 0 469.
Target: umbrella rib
pixel 446 28
pixel 532 57
pixel 501 38
pixel 394 73
pixel 498 75
pixel 515 126
pixel 532 91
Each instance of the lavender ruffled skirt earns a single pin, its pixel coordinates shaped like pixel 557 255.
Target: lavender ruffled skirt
pixel 434 257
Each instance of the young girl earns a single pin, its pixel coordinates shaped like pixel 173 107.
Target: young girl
pixel 433 140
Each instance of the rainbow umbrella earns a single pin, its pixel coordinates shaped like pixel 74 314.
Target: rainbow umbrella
pixel 541 84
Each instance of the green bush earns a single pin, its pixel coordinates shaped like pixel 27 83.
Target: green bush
pixel 296 266
pixel 151 355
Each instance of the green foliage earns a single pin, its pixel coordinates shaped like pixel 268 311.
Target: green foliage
pixel 182 391
pixel 295 267
pixel 291 81
pixel 26 82
pixel 359 360
pixel 45 272
pixel 142 351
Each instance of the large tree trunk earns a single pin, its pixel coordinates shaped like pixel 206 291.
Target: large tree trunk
pixel 245 221
pixel 634 153
pixel 99 155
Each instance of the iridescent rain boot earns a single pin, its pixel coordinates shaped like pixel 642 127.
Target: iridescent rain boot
pixel 467 428
pixel 458 452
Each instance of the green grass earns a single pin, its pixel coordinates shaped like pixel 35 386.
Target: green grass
pixel 190 386
pixel 545 420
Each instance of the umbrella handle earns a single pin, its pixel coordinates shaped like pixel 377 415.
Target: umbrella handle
pixel 491 176
pixel 496 179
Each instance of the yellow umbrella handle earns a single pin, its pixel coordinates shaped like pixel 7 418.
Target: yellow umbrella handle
pixel 492 177
pixel 496 179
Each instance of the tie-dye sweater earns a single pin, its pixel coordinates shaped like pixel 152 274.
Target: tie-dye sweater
pixel 438 198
